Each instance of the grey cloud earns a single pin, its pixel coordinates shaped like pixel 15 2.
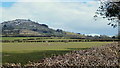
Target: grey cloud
pixel 73 16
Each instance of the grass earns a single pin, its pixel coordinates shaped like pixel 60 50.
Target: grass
pixel 14 38
pixel 24 52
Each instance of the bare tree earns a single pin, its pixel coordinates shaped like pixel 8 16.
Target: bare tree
pixel 110 9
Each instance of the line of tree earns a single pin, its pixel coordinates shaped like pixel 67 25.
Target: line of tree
pixel 66 41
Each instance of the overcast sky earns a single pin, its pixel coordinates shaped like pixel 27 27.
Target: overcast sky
pixel 69 15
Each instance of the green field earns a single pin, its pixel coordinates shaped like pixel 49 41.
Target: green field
pixel 24 52
pixel 13 38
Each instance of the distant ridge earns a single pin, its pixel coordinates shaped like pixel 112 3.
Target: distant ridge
pixel 24 27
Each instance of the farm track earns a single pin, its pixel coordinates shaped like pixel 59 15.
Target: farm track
pixel 107 55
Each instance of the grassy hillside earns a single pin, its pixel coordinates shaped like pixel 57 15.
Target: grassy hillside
pixel 23 27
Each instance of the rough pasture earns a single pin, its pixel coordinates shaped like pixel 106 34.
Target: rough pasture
pixel 102 56
pixel 24 52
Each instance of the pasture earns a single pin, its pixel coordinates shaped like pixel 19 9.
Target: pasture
pixel 34 51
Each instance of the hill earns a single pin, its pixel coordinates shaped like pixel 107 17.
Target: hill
pixel 23 27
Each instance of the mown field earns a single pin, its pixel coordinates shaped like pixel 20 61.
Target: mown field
pixel 34 51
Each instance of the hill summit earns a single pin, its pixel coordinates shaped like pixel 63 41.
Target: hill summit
pixel 24 27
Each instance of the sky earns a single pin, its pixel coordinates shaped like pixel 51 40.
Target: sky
pixel 46 0
pixel 69 15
